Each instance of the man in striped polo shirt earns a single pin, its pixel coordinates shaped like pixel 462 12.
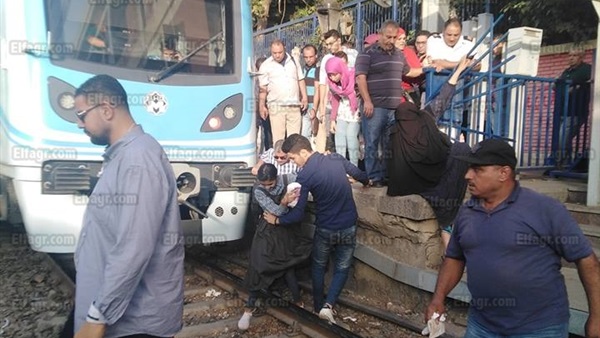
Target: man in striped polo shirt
pixel 379 72
pixel 311 78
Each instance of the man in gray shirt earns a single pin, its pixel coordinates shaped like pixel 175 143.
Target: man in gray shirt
pixel 129 257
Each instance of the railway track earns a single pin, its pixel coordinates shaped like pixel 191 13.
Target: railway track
pixel 215 299
pixel 354 319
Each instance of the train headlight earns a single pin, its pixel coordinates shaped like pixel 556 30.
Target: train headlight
pixel 66 101
pixel 225 116
pixel 229 112
pixel 214 123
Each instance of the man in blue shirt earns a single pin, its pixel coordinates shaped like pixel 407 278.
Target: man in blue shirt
pixel 511 240
pixel 335 233
pixel 129 256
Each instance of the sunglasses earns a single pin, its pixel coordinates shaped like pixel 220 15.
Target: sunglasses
pixel 280 157
pixel 81 115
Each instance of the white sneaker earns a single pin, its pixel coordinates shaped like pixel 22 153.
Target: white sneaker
pixel 244 322
pixel 327 313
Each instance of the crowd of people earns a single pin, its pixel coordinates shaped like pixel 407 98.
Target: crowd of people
pixel 377 97
pixel 511 239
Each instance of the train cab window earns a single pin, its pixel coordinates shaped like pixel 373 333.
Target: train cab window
pixel 146 35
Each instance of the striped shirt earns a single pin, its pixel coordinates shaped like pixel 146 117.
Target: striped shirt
pixel 384 71
pixel 287 168
pixel 311 75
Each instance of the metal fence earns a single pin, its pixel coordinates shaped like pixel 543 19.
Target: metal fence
pixel 366 17
pixel 523 111
pixel 519 109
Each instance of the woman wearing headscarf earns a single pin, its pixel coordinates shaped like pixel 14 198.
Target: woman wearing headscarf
pixel 276 250
pixel 345 119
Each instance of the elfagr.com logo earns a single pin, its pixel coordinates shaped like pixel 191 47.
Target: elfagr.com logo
pixel 20 47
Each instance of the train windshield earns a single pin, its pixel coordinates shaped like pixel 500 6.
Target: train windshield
pixel 148 35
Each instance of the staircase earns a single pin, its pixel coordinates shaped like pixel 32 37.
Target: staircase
pixel 573 195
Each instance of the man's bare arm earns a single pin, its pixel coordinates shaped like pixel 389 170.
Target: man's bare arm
pixel 589 273
pixel 262 102
pixel 450 274
pixel 363 89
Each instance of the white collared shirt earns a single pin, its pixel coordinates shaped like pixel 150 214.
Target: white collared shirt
pixel 437 48
pixel 281 80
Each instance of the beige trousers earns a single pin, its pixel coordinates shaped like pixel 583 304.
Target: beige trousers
pixel 285 121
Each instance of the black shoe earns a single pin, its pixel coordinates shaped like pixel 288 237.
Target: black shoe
pixel 378 184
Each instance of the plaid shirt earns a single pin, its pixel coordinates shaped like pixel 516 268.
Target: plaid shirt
pixel 287 168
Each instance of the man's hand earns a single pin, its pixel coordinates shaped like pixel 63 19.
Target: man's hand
pixel 434 307
pixel 303 103
pixel 368 108
pixel 332 127
pixel 463 64
pixel 264 112
pixel 89 330
pixel 290 196
pixel 269 217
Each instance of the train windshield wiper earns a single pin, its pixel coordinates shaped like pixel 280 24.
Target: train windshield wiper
pixel 171 69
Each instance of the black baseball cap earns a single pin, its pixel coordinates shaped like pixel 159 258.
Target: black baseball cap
pixel 491 152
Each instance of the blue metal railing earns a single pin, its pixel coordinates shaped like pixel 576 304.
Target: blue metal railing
pixel 367 18
pixel 520 109
pixel 517 108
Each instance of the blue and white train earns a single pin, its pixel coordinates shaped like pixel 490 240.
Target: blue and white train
pixel 198 105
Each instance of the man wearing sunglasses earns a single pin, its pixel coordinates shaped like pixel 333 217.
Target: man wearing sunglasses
pixel 129 258
pixel 278 158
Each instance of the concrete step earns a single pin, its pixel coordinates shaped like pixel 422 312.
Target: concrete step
pixel 577 194
pixel 584 214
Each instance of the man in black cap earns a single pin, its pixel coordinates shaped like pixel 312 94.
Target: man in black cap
pixel 511 239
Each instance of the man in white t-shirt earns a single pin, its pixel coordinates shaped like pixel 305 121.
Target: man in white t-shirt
pixel 282 92
pixel 444 51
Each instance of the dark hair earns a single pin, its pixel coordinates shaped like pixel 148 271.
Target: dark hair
pixel 170 42
pixel 332 33
pixel 310 46
pixel 294 143
pixel 266 172
pixel 453 21
pixel 341 54
pixel 278 42
pixel 423 32
pixel 259 62
pixel 103 88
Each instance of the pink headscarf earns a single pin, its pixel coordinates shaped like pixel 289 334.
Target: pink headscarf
pixel 337 65
pixel 372 39
pixel 400 32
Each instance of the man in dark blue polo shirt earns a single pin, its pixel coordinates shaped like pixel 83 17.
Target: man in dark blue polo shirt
pixel 379 72
pixel 511 239
pixel 325 177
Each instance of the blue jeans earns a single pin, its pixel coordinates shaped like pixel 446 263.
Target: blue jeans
pixel 306 130
pixel 452 118
pixel 325 242
pixel 376 131
pixel 346 137
pixel 475 330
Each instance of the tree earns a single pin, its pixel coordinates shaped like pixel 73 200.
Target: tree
pixel 562 20
pixel 260 13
